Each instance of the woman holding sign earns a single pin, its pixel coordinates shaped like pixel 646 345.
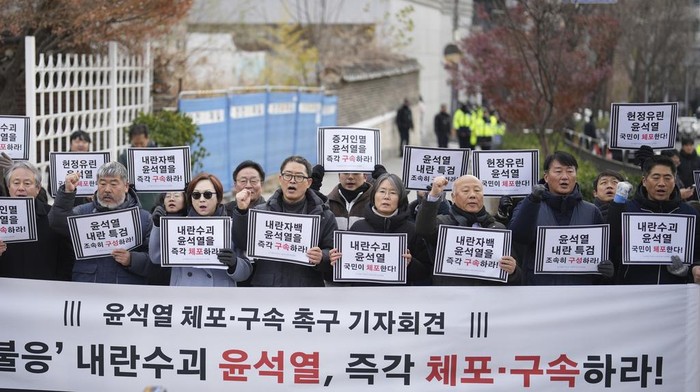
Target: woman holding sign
pixel 388 213
pixel 204 193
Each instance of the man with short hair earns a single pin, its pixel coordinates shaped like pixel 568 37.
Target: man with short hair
pixel 113 194
pixel 467 210
pixel 293 196
pixel 80 141
pixel 604 187
pixel 442 125
pixel 251 176
pixel 557 202
pixel 48 258
pixel 404 123
pixel 656 194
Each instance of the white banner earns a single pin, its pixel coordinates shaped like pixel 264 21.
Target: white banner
pixel 85 163
pixel 159 169
pixel 653 238
pixel 637 124
pixel 14 137
pixel 571 249
pixel 97 235
pixel 282 237
pixel 370 257
pixel 422 164
pixel 17 219
pixel 194 241
pixel 466 252
pixel 86 337
pixel 348 149
pixel 511 173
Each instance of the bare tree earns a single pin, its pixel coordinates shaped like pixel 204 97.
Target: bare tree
pixel 654 44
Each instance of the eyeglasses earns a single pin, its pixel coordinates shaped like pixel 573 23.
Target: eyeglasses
pixel 198 195
pixel 174 195
pixel 296 177
pixel 246 181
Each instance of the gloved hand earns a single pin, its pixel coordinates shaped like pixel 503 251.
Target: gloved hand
pixel 156 214
pixel 622 192
pixel 5 161
pixel 317 174
pixel 228 258
pixel 606 268
pixel 537 193
pixel 378 171
pixel 677 268
pixel 640 156
pixel 505 207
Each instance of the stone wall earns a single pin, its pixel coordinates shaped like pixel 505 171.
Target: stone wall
pixel 372 101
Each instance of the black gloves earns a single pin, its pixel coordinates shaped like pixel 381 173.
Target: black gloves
pixel 641 155
pixel 156 214
pixel 537 193
pixel 606 268
pixel 677 268
pixel 378 171
pixel 228 258
pixel 317 174
pixel 505 207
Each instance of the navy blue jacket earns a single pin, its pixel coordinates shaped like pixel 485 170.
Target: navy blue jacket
pixel 553 210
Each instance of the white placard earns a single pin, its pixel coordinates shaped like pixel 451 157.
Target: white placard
pixel 17 219
pixel 14 137
pixel 370 257
pixel 422 164
pixel 349 150
pixel 466 252
pixel 637 124
pixel 571 249
pixel 67 336
pixel 281 236
pixel 85 163
pixel 97 235
pixel 159 169
pixel 507 172
pixel 194 241
pixel 653 238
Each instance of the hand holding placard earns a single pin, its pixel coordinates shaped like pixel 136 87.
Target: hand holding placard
pixel 677 268
pixel 606 268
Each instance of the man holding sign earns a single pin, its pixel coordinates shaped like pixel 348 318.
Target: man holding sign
pixel 293 196
pixel 50 257
pixel 657 194
pixel 113 194
pixel 467 210
pixel 556 203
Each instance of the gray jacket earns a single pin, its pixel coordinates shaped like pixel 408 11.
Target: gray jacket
pixel 202 277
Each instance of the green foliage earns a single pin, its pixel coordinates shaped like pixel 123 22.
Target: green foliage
pixel 293 58
pixel 173 129
pixel 400 27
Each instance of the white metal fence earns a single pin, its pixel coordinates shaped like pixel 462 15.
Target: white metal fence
pixel 96 93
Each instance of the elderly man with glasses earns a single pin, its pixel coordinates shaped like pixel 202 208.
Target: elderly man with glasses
pixel 293 196
pixel 248 175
